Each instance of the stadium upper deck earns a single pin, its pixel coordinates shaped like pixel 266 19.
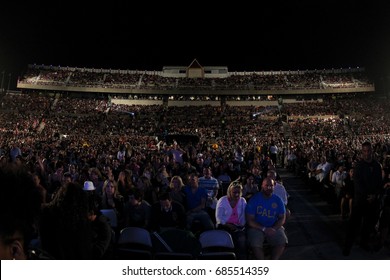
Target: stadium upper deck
pixel 195 79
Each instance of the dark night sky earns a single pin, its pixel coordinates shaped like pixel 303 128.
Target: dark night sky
pixel 257 36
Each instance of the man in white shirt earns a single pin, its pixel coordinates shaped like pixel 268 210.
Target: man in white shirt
pixel 279 190
pixel 211 185
pixel 323 169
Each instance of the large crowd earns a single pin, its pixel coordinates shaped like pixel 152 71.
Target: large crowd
pixel 70 141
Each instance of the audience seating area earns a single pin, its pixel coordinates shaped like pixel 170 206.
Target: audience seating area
pixel 58 131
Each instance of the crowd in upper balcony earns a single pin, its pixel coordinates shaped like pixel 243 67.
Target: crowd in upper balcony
pixel 271 80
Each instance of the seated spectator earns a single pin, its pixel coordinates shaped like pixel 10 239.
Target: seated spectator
pixel 186 169
pixel 279 190
pixel 266 215
pixel 137 211
pixel 67 178
pixel 322 170
pixel 162 179
pixel 101 233
pixel 196 203
pixel 256 172
pixel 150 192
pixel 125 183
pixel 112 199
pixel 230 216
pixel 176 190
pixel 250 187
pixel 211 185
pixel 73 172
pixel 96 177
pixel 167 214
pixel 311 166
pixel 90 190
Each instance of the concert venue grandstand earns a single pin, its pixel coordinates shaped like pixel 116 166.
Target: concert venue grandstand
pixel 85 118
pixel 186 82
pixel 136 97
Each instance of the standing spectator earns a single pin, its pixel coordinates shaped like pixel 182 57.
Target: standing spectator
pixel 347 195
pixel 266 215
pixel 365 206
pixel 177 153
pixel 273 152
pixel 338 180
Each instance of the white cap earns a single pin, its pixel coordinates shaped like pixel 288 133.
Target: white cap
pixel 88 186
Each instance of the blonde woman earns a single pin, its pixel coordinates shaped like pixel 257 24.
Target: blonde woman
pixel 112 199
pixel 176 193
pixel 110 194
pixel 230 216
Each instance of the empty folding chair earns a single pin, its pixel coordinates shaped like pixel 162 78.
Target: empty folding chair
pixel 216 244
pixel 134 243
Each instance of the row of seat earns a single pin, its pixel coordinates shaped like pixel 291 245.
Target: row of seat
pixel 136 243
pixel 139 243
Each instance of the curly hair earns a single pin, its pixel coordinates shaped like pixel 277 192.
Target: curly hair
pixel 20 203
pixel 65 228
